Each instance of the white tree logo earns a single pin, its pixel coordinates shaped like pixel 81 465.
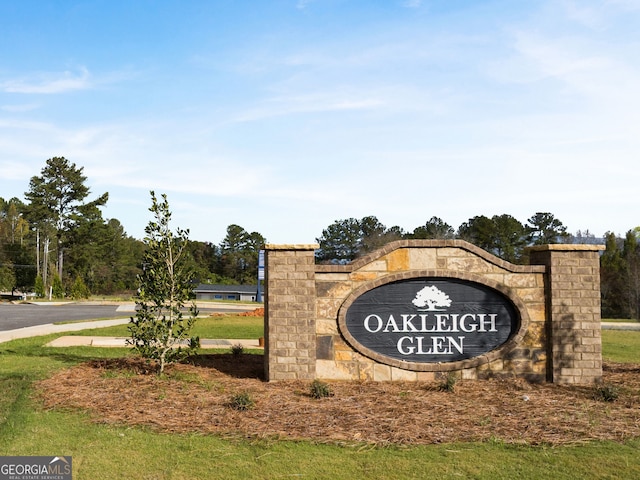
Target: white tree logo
pixel 431 299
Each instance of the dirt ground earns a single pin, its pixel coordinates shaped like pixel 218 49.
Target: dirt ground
pixel 197 398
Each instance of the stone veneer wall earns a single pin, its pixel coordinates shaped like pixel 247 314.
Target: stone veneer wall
pixel 573 303
pixel 304 302
pixel 526 355
pixel 290 312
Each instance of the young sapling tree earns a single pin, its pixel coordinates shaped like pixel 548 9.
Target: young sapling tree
pixel 160 331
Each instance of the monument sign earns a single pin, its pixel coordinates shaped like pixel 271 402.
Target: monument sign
pixel 430 320
pixel 415 310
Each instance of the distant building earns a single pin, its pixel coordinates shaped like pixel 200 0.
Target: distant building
pixel 246 293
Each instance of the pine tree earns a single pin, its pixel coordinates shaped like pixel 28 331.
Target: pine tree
pixel 57 205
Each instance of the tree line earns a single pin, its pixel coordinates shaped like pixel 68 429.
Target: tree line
pixel 507 238
pixel 56 241
pixel 503 235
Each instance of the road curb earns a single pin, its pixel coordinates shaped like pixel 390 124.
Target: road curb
pixel 620 326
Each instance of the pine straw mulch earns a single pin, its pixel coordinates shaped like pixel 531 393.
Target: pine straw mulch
pixel 196 397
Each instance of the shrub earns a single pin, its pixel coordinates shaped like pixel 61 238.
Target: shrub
pixel 39 287
pixel 237 349
pixel 79 289
pixel 57 289
pixel 448 384
pixel 320 389
pixel 606 393
pixel 241 402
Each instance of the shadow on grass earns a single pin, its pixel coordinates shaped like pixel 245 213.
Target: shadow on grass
pixel 615 367
pixel 15 387
pixel 237 366
pixel 66 356
pixel 243 365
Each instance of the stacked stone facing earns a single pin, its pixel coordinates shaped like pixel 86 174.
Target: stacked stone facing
pixel 290 312
pixel 573 304
pixel 558 297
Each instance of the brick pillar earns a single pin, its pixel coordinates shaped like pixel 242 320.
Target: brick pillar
pixel 573 311
pixel 290 312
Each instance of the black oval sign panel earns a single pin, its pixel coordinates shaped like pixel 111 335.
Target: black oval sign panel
pixel 430 320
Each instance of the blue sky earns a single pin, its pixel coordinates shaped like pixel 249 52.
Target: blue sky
pixel 283 116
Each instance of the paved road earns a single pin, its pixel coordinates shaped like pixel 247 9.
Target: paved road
pixel 14 316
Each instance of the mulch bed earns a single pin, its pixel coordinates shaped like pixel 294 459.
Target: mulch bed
pixel 197 397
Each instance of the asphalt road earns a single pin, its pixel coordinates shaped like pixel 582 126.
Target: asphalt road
pixel 14 316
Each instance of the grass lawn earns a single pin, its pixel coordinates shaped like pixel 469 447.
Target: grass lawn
pixel 621 346
pixel 114 452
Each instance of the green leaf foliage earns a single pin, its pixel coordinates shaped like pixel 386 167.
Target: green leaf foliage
pixel 347 239
pixel 502 235
pixel 57 205
pixel 79 290
pixel 160 331
pixel 434 228
pixel 57 289
pixel 39 287
pixel 239 254
pixel 546 229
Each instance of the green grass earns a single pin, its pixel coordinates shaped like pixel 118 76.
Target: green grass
pixel 113 452
pixel 106 452
pixel 621 346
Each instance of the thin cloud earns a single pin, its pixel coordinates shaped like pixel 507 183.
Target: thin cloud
pixel 49 83
pixel 412 3
pixel 597 74
pixel 559 58
pixel 302 4
pixel 628 5
pixel 27 107
pixel 293 105
pixel 11 170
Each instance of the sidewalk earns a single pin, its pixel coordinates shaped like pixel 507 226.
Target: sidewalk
pixel 75 341
pixel 96 341
pixel 49 328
